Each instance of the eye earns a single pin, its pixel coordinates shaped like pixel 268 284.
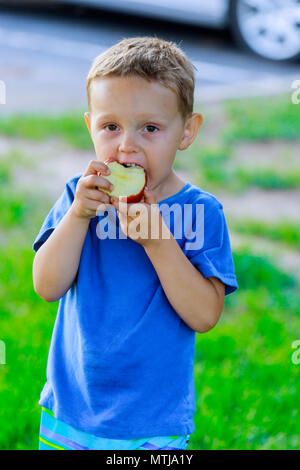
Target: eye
pixel 111 126
pixel 152 128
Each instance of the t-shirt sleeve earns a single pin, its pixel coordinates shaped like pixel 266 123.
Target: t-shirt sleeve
pixel 57 212
pixel 214 257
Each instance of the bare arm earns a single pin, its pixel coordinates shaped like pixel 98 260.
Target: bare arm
pixel 198 300
pixel 56 262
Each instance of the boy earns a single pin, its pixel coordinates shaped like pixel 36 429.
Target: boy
pixel 120 366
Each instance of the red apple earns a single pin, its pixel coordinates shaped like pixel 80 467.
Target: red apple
pixel 128 179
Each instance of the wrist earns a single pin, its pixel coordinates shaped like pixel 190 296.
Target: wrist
pixel 157 245
pixel 73 214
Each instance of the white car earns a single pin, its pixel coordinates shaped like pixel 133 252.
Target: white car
pixel 269 28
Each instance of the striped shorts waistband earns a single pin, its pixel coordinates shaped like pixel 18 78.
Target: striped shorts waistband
pixel 56 435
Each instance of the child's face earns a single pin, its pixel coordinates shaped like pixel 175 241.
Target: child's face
pixel 133 120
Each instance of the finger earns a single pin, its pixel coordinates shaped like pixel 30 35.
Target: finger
pixel 115 202
pixel 120 205
pixel 95 181
pixel 95 166
pixel 91 206
pixel 97 195
pixel 103 207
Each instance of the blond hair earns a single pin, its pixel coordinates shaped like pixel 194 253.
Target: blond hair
pixel 152 59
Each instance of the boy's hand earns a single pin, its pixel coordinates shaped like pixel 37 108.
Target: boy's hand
pixel 87 196
pixel 142 221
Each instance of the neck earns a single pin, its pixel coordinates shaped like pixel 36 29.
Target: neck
pixel 168 187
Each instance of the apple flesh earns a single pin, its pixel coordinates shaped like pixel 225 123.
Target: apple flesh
pixel 129 181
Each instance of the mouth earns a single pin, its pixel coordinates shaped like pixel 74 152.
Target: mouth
pixel 131 165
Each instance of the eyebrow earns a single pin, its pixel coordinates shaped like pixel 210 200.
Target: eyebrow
pixel 150 117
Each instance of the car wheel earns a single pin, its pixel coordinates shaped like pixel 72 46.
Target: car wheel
pixel 269 28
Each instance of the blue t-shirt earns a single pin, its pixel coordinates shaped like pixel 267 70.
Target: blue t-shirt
pixel 121 360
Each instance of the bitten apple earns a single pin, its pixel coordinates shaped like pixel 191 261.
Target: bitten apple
pixel 129 180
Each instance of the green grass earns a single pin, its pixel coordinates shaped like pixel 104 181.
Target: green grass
pixel 286 232
pixel 268 178
pixel 12 160
pixel 246 383
pixel 25 324
pixel 253 119
pixel 16 207
pixel 214 169
pixel 69 126
pixel 25 320
pixel 211 164
pixel 262 118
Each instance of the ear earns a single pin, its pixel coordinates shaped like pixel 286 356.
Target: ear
pixel 190 130
pixel 88 120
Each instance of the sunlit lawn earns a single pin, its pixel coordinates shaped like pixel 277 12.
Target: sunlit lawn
pixel 247 386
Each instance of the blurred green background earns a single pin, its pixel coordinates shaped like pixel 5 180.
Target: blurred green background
pixel 247 154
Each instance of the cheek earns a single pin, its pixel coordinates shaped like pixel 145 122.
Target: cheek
pixel 162 151
pixel 169 142
pixel 103 143
pixel 160 145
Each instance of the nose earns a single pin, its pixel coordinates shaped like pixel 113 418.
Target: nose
pixel 128 143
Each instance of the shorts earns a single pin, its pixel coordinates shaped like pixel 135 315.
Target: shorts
pixel 56 435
